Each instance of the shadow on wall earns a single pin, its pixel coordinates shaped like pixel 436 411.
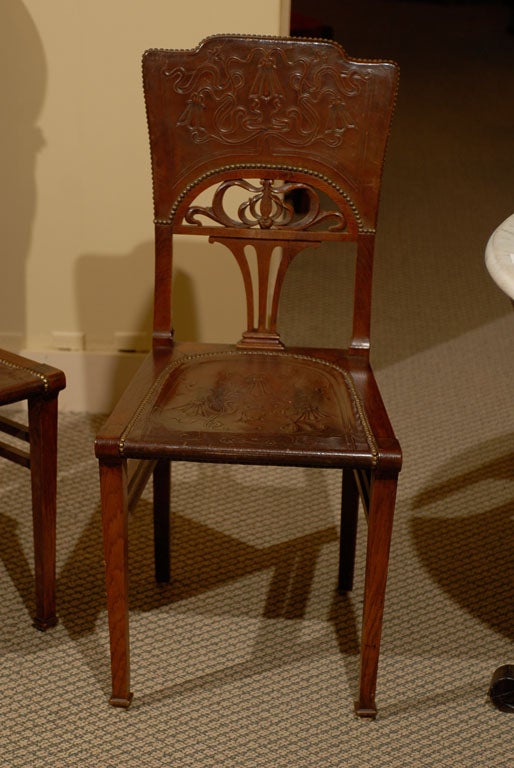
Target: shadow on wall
pixel 115 315
pixel 114 298
pixel 24 78
pixel 112 308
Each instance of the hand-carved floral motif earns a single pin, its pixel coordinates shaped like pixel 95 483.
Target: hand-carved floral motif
pixel 268 207
pixel 250 100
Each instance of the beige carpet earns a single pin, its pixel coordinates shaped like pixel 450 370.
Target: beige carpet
pixel 249 659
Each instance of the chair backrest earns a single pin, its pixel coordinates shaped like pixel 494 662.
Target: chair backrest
pixel 238 127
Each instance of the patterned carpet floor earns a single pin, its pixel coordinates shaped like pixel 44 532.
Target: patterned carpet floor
pixel 250 658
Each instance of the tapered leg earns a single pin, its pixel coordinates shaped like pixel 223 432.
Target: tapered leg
pixel 348 536
pixel 43 468
pixel 380 523
pixel 161 520
pixel 113 488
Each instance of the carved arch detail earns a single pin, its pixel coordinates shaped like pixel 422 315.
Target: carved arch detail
pixel 353 220
pixel 267 207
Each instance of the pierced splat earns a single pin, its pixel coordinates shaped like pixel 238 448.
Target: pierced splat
pixel 264 217
pixel 261 331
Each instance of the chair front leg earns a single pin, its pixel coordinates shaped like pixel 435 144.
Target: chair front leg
pixel 113 489
pixel 380 524
pixel 42 414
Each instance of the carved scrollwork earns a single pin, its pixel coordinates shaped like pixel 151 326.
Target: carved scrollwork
pixel 234 100
pixel 268 207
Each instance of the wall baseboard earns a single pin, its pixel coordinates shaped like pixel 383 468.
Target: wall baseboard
pixel 13 341
pixel 94 380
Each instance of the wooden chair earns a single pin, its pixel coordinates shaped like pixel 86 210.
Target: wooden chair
pixel 22 379
pixel 257 119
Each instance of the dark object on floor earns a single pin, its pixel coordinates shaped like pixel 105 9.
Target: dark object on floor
pixel 22 379
pixel 501 689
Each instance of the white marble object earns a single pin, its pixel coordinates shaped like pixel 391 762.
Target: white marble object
pixel 499 256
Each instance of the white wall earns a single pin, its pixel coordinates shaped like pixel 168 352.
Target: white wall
pixel 77 254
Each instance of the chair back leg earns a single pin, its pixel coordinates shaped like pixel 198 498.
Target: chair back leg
pixel 161 512
pixel 42 413
pixel 348 536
